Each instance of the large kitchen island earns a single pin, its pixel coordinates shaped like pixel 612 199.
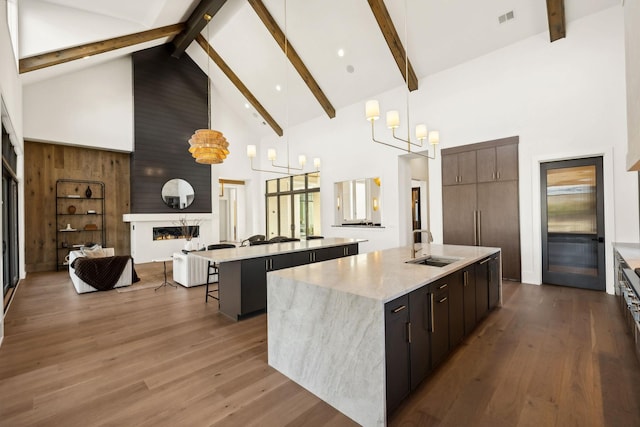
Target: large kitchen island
pixel 361 332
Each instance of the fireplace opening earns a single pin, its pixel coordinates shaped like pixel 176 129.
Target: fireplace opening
pixel 171 233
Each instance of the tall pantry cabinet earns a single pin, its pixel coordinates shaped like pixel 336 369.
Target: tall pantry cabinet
pixel 480 199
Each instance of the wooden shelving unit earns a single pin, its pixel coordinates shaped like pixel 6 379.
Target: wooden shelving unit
pixel 80 216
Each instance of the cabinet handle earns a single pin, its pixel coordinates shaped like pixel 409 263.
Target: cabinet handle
pixel 493 175
pixel 398 309
pixel 475 228
pixel 479 228
pixel 442 300
pixel 442 286
pixel 433 329
pixel 485 261
pixel 266 264
pixel 498 174
pixel 409 331
pixel 465 278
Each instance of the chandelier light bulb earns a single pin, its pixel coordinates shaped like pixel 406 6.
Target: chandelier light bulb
pixel 372 109
pixel 271 154
pixel 393 119
pixel 251 151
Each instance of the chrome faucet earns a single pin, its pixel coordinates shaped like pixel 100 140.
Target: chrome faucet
pixel 416 232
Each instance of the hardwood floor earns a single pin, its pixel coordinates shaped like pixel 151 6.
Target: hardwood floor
pixel 550 356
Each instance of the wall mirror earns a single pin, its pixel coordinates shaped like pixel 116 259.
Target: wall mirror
pixel 357 202
pixel 177 193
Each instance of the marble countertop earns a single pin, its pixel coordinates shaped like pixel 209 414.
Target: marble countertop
pixel 384 275
pixel 257 251
pixel 630 252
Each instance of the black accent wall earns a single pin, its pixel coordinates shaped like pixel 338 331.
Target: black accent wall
pixel 170 103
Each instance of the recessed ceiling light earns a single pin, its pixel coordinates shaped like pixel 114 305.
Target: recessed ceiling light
pixel 340 53
pixel 278 88
pixel 350 69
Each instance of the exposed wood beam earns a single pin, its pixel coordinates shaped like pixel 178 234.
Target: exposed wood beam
pixel 555 14
pixel 195 24
pixel 292 55
pixel 238 83
pixel 48 59
pixel 393 41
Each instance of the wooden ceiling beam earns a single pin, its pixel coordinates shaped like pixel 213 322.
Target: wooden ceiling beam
pixel 268 21
pixel 393 41
pixel 56 57
pixel 556 17
pixel 195 24
pixel 238 83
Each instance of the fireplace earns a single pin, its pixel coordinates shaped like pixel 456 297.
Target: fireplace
pixel 168 233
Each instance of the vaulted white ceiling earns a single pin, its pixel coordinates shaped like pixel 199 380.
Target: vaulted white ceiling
pixel 437 34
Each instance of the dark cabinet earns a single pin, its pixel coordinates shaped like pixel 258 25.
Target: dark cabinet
pixel 397 351
pixel 459 168
pixel 494 281
pixel 498 163
pixel 440 324
pixel 420 315
pixel 458 214
pixel 485 211
pixel 482 288
pixel 469 292
pixel 456 308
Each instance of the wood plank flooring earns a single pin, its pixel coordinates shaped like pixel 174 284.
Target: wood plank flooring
pixel 550 356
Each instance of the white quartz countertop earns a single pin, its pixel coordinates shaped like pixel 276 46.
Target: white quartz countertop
pixel 630 252
pixel 385 275
pixel 257 251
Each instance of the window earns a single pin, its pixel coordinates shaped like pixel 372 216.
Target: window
pixel 293 206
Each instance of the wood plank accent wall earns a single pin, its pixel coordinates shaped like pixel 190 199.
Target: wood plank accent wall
pixel 170 103
pixel 45 164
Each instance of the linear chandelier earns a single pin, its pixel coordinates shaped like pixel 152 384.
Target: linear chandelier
pixel 372 111
pixel 271 155
pixel 208 146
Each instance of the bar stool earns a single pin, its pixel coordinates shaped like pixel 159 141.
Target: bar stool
pixel 212 274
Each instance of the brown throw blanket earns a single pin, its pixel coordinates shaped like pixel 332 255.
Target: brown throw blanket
pixel 102 273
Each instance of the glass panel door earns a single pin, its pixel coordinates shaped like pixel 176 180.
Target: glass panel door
pixel 573 223
pixel 272 216
pixel 286 217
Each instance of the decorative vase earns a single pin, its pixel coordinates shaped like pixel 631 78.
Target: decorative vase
pixel 88 192
pixel 71 209
pixel 188 245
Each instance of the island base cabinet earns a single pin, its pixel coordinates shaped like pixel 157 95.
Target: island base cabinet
pixel 420 316
pixel 494 281
pixel 482 289
pixel 469 296
pixel 397 351
pixel 440 327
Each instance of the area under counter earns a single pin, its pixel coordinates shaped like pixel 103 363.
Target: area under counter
pixel 326 321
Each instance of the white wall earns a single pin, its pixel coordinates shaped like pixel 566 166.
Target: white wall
pixel 92 107
pixel 563 99
pixel 632 47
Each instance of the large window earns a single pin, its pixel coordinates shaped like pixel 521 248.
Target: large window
pixel 293 206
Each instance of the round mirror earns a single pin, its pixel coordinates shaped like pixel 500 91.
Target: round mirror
pixel 177 193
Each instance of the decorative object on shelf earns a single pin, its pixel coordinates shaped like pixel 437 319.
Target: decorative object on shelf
pixel 69 227
pixel 208 146
pixel 73 196
pixel 91 212
pixel 71 209
pixel 88 192
pixel 91 227
pixel 372 110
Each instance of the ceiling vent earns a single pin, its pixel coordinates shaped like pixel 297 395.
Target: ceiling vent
pixel 506 17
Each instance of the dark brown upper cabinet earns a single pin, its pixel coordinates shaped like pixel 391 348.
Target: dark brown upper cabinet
pixel 498 163
pixel 459 168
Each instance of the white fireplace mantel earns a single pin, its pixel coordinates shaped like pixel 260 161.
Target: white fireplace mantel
pixel 145 249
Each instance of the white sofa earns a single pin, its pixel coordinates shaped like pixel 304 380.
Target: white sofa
pixel 189 270
pixel 82 287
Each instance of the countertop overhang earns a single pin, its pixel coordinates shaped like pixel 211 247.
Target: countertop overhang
pixel 385 275
pixel 630 252
pixel 272 249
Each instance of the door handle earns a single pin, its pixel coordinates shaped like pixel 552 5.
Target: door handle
pixel 475 228
pixel 479 228
pixel 599 239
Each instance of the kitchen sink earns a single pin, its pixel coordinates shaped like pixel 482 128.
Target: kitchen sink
pixel 433 261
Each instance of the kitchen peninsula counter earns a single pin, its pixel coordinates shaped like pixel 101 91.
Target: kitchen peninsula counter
pixel 326 321
pixel 242 271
